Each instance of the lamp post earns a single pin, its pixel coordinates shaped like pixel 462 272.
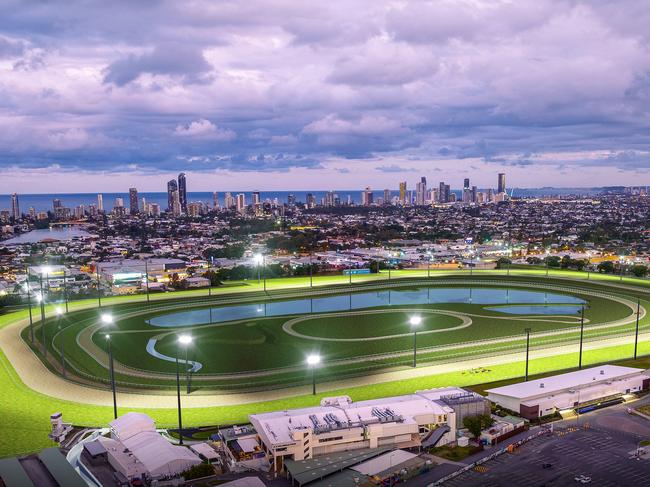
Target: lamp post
pixel 99 288
pixel 59 314
pixel 185 340
pixel 311 272
pixel 107 320
pixel 312 361
pixel 636 332
pixel 582 327
pixel 44 271
pixel 260 260
pixel 146 277
pixel 415 321
pixel 29 307
pixel 527 330
pixel 182 340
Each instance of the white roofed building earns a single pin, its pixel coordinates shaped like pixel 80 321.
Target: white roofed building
pixel 137 450
pixel 339 424
pixel 582 388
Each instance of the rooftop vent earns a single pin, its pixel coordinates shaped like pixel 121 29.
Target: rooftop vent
pixel 541 386
pixel 602 372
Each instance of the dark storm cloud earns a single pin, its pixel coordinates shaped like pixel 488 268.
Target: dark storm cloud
pixel 256 85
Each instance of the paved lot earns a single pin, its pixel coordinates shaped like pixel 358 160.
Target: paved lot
pixel 598 444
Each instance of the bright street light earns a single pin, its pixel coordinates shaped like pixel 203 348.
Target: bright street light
pixel 184 339
pixel 313 360
pixel 107 319
pixel 258 258
pixel 46 270
pixel 58 311
pixel 415 321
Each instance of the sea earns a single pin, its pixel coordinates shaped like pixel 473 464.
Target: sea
pixel 44 202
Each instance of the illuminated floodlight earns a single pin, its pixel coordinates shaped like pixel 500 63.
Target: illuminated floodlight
pixel 46 270
pixel 184 339
pixel 39 297
pixel 58 311
pixel 107 319
pixel 415 320
pixel 313 360
pixel 258 258
pixel 107 336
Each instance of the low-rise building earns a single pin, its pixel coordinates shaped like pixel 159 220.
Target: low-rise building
pixel 339 424
pixel 573 390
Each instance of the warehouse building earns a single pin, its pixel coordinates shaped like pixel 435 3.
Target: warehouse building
pixel 339 424
pixel 580 390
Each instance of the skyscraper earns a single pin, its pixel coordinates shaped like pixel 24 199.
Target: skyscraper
pixel 466 183
pixel 215 200
pixel 256 198
pixel 172 186
pixel 387 196
pixel 311 200
pixel 176 203
pixel 442 195
pixel 182 191
pixel 100 202
pixel 366 197
pixel 402 193
pixel 241 203
pixel 229 201
pixel 133 201
pixel 421 192
pixel 501 187
pixel 15 209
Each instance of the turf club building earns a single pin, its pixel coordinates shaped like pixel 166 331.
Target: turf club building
pixel 425 418
pixel 575 390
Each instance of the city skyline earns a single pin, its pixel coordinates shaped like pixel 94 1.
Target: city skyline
pixel 285 97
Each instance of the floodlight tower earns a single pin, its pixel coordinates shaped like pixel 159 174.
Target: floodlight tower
pixel 415 322
pixel 183 340
pixel 313 361
pixel 107 321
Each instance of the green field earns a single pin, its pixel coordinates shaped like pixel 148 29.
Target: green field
pixel 25 412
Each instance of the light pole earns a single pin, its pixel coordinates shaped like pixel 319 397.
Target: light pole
pixel 44 271
pixel 99 288
pixel 146 277
pixel 527 330
pixel 29 307
pixel 311 272
pixel 312 361
pixel 59 314
pixel 182 340
pixel 260 260
pixel 185 340
pixel 636 333
pixel 582 328
pixel 107 320
pixel 415 321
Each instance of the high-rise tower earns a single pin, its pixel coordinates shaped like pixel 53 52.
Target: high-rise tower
pixel 172 186
pixel 15 208
pixel 182 191
pixel 133 201
pixel 501 187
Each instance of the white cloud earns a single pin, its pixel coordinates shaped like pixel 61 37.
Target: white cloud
pixel 204 129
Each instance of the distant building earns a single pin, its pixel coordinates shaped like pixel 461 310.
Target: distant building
pixel 501 183
pixel 420 193
pixel 402 193
pixel 133 201
pixel 241 203
pixel 215 200
pixel 15 208
pixel 172 186
pixel 387 196
pixel 100 203
pixel 311 200
pixel 182 192
pixel 466 183
pixel 367 197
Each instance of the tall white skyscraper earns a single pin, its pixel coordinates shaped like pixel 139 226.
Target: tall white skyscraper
pixel 241 203
pixel 100 202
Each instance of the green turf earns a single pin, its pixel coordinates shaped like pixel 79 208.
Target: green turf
pixel 25 421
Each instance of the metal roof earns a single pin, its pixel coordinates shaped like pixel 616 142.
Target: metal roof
pixel 558 383
pixel 12 473
pixel 60 469
pixel 306 471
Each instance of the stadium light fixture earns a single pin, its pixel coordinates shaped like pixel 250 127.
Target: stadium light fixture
pixel 46 270
pixel 313 360
pixel 258 258
pixel 111 367
pixel 184 339
pixel 58 310
pixel 107 319
pixel 415 321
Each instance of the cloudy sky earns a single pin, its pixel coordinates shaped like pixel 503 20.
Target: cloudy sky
pixel 291 94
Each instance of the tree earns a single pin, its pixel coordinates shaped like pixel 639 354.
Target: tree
pixel 213 277
pixel 606 267
pixel 640 270
pixel 503 262
pixel 476 424
pixel 553 261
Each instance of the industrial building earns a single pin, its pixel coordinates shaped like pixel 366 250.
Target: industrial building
pixel 579 390
pixel 425 418
pixel 137 451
